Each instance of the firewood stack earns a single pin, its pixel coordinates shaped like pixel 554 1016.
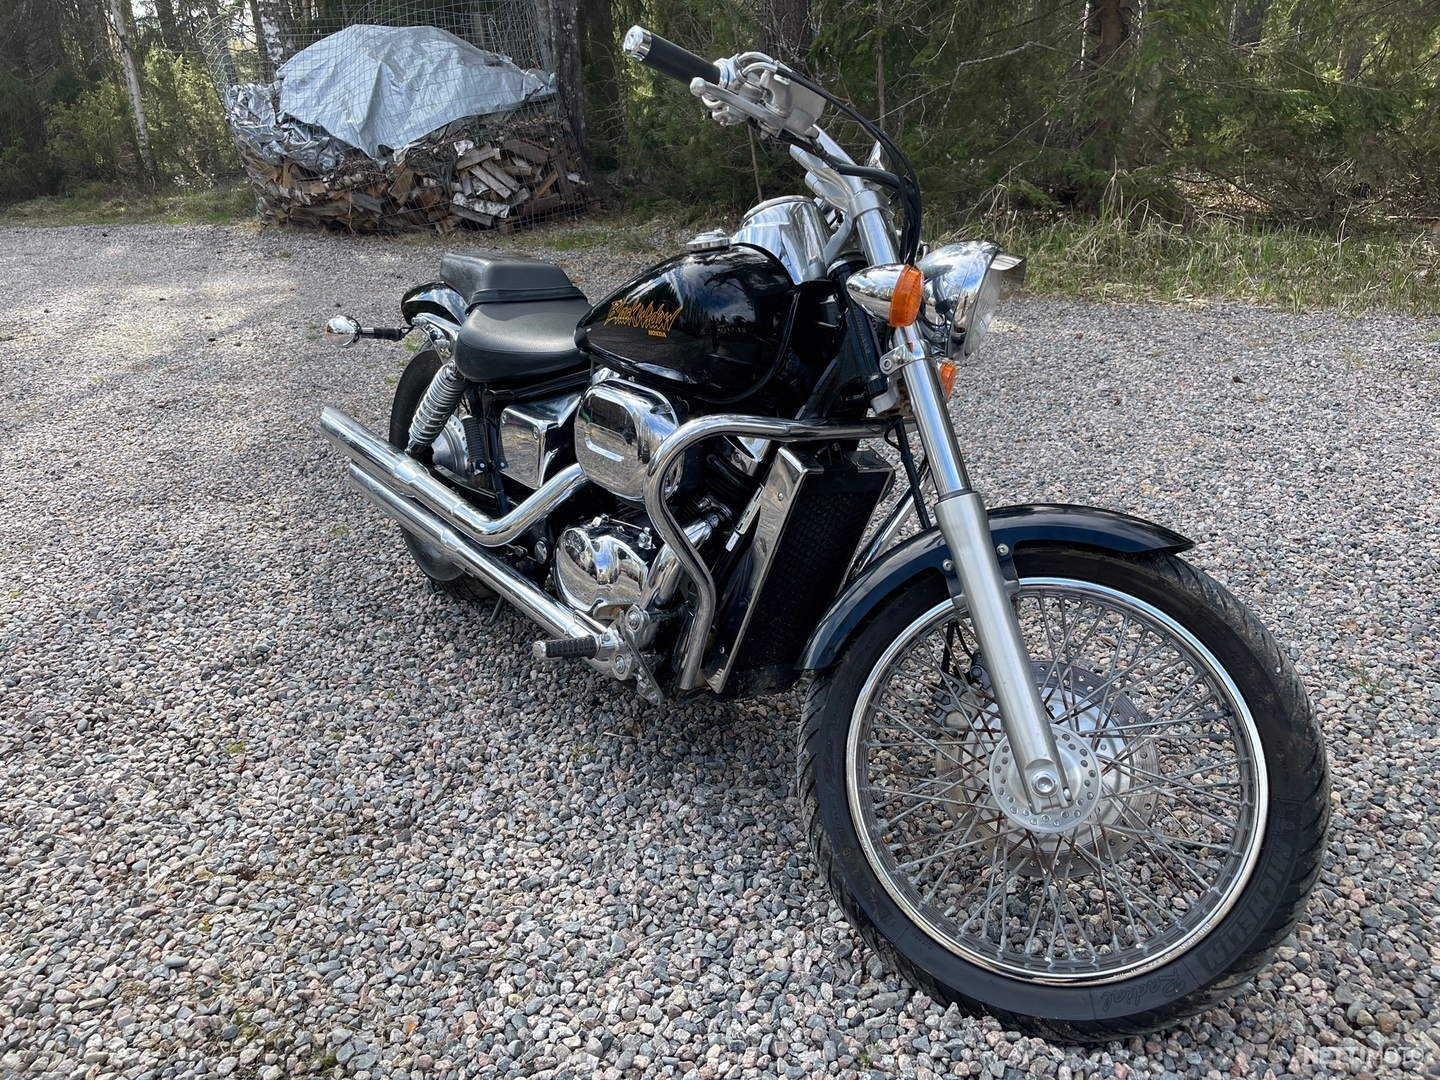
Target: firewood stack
pixel 491 177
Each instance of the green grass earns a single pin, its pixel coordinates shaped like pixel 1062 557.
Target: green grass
pixel 1386 266
pixel 101 204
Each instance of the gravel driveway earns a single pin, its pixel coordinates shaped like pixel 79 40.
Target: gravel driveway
pixel 270 805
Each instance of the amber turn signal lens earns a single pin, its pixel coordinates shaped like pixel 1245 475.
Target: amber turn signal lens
pixel 905 299
pixel 947 372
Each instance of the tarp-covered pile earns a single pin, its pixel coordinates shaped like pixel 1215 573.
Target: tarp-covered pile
pixel 379 126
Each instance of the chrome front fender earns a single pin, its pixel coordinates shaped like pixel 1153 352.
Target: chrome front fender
pixel 1012 527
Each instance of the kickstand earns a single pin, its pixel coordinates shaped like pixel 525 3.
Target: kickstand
pixel 496 613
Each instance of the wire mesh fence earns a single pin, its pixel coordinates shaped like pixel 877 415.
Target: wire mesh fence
pixel 375 116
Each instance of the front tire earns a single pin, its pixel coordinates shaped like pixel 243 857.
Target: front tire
pixel 1170 881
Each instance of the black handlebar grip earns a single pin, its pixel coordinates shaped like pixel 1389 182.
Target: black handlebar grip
pixel 668 58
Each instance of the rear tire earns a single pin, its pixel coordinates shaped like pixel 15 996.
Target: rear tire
pixel 1194 857
pixel 446 575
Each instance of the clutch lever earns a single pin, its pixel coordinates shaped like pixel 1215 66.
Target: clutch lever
pixel 729 108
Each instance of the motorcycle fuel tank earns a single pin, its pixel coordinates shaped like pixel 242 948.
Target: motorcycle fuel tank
pixel 713 325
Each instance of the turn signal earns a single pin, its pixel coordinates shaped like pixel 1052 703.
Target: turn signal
pixel 947 372
pixel 905 300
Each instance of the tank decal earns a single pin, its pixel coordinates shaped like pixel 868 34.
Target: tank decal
pixel 715 323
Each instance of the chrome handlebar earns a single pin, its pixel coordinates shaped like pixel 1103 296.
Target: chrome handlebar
pixel 746 86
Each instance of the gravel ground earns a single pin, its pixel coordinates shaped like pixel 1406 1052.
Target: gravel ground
pixel 272 806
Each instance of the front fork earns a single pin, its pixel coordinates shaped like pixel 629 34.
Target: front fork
pixel 984 595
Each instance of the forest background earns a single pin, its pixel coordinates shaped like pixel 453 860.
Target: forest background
pixel 1166 118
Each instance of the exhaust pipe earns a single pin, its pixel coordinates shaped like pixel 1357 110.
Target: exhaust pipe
pixel 403 475
pixel 511 585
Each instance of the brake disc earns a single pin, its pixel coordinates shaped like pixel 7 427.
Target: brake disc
pixel 1105 752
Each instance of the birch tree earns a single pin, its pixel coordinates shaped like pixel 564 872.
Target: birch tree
pixel 132 84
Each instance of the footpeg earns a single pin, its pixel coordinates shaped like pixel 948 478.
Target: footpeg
pixel 582 648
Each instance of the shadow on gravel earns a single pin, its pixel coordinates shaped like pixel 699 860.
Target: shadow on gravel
pixel 271 804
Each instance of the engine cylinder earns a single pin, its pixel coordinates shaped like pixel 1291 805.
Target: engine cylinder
pixel 618 428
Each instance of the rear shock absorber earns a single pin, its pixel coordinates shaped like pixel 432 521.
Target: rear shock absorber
pixel 436 407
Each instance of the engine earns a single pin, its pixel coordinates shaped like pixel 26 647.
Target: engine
pixel 613 563
pixel 792 522
pixel 618 428
pixel 601 568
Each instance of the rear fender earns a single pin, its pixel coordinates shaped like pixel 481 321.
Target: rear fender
pixel 1011 527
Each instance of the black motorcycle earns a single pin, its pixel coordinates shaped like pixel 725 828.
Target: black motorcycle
pixel 1049 769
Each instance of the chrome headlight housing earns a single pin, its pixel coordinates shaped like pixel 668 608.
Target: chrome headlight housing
pixel 963 283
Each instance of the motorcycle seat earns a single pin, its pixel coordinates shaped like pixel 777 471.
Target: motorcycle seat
pixel 520 321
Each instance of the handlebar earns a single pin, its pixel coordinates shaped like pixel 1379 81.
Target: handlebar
pixel 667 58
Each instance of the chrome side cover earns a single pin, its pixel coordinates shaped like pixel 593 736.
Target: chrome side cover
pixel 531 434
pixel 618 428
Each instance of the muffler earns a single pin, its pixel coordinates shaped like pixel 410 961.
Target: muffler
pixel 509 584
pixel 405 476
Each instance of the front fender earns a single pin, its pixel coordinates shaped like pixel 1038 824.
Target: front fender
pixel 1012 526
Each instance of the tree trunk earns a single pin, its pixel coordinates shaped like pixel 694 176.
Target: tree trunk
pixel 787 30
pixel 215 38
pixel 132 83
pixel 1247 20
pixel 1352 55
pixel 598 47
pixel 880 62
pixel 565 48
pixel 169 29
pixel 1109 26
pixel 274 35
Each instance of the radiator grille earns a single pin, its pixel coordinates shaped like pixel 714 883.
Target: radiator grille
pixel 826 522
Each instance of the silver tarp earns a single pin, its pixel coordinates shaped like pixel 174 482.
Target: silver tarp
pixel 383 87
pixel 251 111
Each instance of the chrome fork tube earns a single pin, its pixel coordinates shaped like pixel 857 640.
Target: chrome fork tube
pixel 963 521
pixel 960 513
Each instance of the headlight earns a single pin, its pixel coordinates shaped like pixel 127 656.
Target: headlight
pixel 963 283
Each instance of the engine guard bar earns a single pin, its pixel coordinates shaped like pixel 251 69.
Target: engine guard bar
pixel 664 523
pixel 402 473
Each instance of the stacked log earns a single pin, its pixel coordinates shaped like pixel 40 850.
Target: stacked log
pixel 465 174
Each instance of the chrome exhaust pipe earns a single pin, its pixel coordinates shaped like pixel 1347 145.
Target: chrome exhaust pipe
pixel 404 475
pixel 512 586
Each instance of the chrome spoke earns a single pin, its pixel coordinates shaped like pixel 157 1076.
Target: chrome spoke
pixel 1163 844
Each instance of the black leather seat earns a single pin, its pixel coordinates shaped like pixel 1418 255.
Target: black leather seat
pixel 521 318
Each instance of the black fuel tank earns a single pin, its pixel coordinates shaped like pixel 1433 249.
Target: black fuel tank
pixel 713 326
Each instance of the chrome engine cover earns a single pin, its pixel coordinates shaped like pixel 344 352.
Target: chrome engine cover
pixel 618 427
pixel 601 568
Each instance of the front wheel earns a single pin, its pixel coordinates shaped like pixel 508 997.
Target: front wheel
pixel 1190 845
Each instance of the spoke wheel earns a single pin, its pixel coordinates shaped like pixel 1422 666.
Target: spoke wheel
pixel 1163 762
pixel 1193 828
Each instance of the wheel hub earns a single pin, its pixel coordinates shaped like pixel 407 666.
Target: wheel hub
pixel 1082 780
